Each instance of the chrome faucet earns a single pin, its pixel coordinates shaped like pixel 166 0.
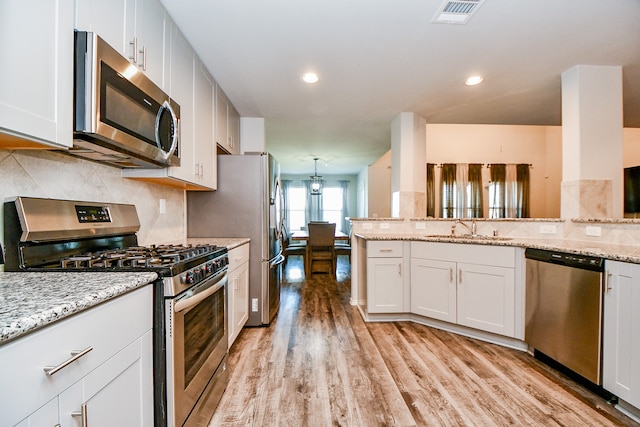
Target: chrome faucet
pixel 473 229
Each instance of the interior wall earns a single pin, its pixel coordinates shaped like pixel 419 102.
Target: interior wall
pixel 50 174
pixel 537 145
pixel 630 147
pixel 362 201
pixel 379 190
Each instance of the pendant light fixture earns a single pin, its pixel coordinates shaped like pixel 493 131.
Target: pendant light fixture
pixel 316 180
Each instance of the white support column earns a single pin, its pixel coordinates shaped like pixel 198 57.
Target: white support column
pixel 408 166
pixel 592 142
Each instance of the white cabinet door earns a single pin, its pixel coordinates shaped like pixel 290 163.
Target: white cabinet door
pixel 204 145
pixel 621 333
pixel 385 285
pixel 182 66
pixel 109 20
pixel 36 76
pixel 433 289
pixel 135 28
pixel 117 393
pixel 238 296
pixel 221 125
pixel 486 298
pixel 47 416
pixel 233 129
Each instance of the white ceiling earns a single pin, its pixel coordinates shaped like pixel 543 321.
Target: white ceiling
pixel 377 58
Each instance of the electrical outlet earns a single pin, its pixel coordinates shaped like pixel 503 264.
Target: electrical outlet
pixel 254 304
pixel 593 230
pixel 384 225
pixel 421 226
pixel 548 229
pixel 163 206
pixel 367 226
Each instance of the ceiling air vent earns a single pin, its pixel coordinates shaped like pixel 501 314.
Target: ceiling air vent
pixel 457 11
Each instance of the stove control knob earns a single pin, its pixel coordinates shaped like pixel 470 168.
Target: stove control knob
pixel 187 278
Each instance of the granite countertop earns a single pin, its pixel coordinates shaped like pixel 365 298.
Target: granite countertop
pixel 229 242
pixel 616 252
pixel 30 301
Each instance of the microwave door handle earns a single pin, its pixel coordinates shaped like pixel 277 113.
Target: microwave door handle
pixel 176 132
pixel 201 295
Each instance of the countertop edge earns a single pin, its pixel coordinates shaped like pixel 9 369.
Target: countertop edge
pixel 15 324
pixel 614 252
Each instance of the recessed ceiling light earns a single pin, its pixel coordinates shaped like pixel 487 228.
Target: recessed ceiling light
pixel 310 77
pixel 473 80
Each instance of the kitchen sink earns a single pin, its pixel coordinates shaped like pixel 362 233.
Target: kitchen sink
pixel 467 237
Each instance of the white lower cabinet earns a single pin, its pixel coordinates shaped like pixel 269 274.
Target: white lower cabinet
pixel 386 290
pixel 113 379
pixel 470 285
pixel 238 298
pixel 621 331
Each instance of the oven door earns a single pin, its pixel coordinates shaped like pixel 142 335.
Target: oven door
pixel 196 343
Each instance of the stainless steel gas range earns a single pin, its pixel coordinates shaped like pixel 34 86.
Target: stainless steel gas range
pixel 190 327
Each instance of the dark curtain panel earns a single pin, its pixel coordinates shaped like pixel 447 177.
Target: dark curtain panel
pixel 523 184
pixel 498 190
pixel 447 192
pixel 431 190
pixel 474 204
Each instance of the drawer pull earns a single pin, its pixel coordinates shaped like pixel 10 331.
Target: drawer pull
pixel 386 250
pixel 50 370
pixel 82 414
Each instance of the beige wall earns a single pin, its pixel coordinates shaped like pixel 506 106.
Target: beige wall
pixel 55 175
pixel 541 146
pixel 379 189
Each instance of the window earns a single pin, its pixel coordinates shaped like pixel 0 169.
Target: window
pixel 332 209
pixel 302 207
pixel 296 201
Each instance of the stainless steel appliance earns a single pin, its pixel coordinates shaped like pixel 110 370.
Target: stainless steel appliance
pixel 120 116
pixel 190 330
pixel 248 203
pixel 563 310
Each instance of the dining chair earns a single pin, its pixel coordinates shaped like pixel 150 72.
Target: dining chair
pixel 290 247
pixel 342 247
pixel 320 248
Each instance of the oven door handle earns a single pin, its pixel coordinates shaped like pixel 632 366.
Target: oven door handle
pixel 201 294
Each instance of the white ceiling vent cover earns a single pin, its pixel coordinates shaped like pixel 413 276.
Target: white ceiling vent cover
pixel 456 11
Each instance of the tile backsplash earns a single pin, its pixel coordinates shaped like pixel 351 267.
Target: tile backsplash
pixel 51 174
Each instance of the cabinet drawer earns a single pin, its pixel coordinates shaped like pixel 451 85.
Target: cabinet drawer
pixel 384 248
pixel 107 328
pixel 238 256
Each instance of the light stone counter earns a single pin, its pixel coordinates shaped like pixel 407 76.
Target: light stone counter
pixel 30 301
pixel 612 251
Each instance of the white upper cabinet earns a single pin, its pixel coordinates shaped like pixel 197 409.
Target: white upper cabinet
pixel 193 88
pixel 227 123
pixel 36 76
pixel 138 29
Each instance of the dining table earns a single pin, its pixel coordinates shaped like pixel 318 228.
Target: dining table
pixel 304 235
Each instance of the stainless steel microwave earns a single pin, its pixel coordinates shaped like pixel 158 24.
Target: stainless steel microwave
pixel 121 117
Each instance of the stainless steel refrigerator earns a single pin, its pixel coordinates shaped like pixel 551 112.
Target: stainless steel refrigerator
pixel 247 203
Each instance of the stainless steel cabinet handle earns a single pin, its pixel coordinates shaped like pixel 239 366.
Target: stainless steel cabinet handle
pixel 385 250
pixel 607 282
pixel 134 50
pixel 399 269
pixel 459 275
pixel 77 354
pixel 450 274
pixel 82 413
pixel 143 64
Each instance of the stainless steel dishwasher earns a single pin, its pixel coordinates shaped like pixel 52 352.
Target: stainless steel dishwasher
pixel 563 311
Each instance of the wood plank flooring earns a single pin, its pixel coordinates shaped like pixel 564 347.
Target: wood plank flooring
pixel 320 365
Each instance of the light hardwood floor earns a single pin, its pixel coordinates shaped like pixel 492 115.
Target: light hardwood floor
pixel 320 365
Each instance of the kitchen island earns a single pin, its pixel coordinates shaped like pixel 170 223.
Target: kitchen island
pixel 418 271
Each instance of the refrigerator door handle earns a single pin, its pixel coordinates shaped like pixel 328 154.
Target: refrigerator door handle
pixel 276 260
